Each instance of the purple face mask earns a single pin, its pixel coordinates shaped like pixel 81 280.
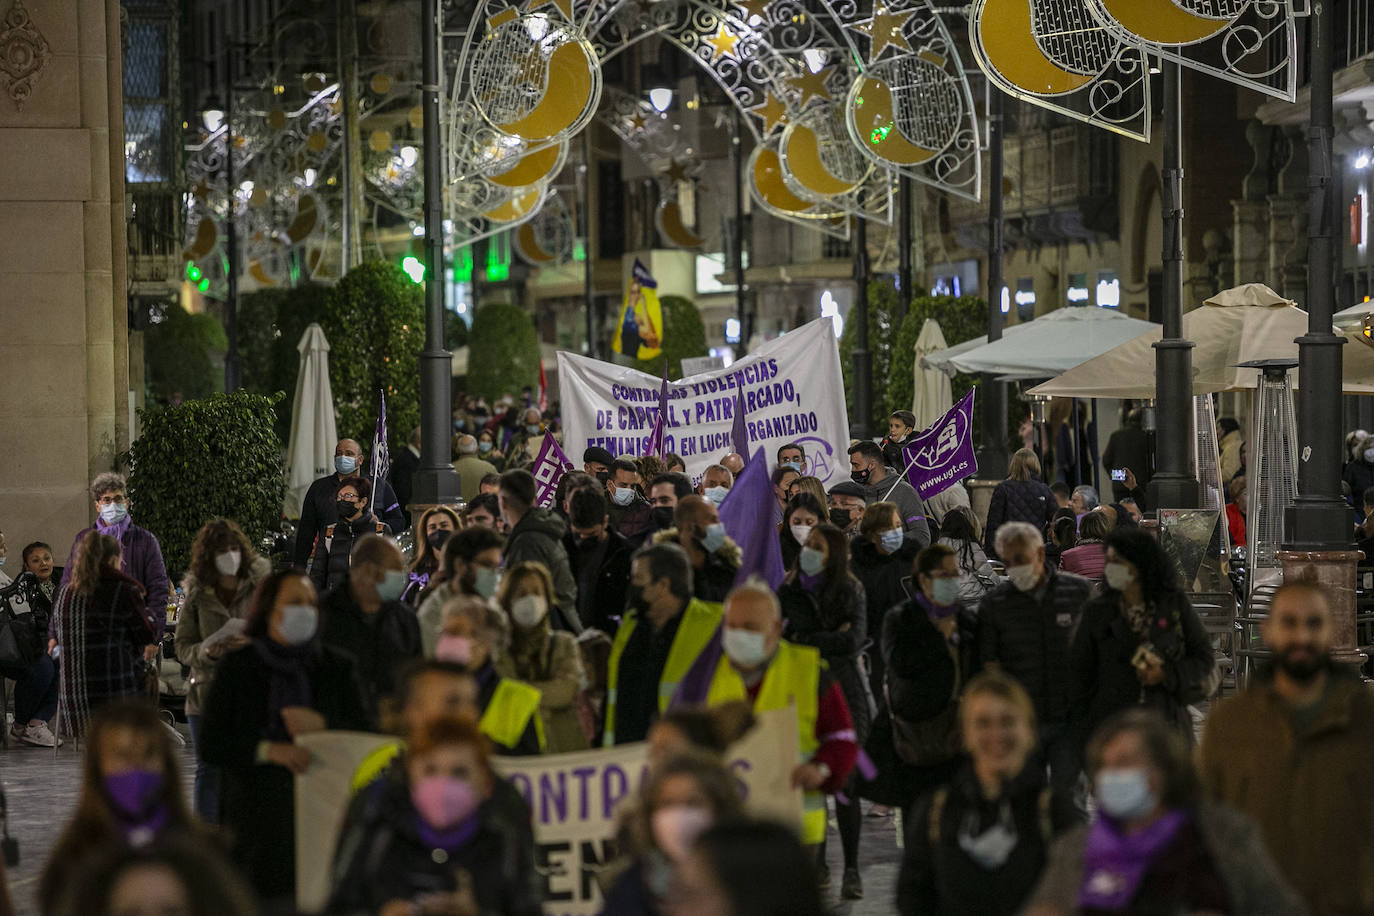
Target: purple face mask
pixel 136 796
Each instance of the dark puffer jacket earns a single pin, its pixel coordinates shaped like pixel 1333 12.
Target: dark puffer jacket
pixel 538 538
pixel 881 575
pixel 809 624
pixel 1027 501
pixel 329 566
pixel 1029 638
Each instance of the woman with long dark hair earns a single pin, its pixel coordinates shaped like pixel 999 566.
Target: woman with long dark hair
pixel 802 514
pixel 1140 643
pixel 104 631
pixel 436 525
pixel 130 794
pixel 285 683
pixel 824 605
pixel 225 571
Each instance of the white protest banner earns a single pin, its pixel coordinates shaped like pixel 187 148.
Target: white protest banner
pixel 322 796
pixel 793 392
pixel 573 798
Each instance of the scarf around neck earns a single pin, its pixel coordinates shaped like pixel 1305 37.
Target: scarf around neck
pixel 289 683
pixel 1114 863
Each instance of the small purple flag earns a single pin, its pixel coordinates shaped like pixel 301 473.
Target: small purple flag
pixel 941 456
pixel 655 443
pixel 739 432
pixel 548 469
pixel 747 518
pixel 381 455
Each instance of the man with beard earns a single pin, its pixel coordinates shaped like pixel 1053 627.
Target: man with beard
pixel 600 558
pixel 1293 753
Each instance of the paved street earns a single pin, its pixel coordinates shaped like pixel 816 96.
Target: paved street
pixel 41 788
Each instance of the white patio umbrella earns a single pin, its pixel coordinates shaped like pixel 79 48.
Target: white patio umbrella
pixel 310 453
pixel 1240 325
pixel 932 395
pixel 1053 343
pixel 1352 319
pixel 941 359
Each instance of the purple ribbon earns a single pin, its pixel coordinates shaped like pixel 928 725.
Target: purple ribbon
pixel 1114 863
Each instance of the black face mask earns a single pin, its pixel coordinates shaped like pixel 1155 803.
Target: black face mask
pixel 603 476
pixel 662 517
pixel 860 477
pixel 345 508
pixel 437 539
pixel 839 518
pixel 635 599
pixel 588 544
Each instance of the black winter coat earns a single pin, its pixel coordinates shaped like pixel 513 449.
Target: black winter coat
pixel 329 565
pixel 881 575
pixel 258 800
pixel 1027 501
pixel 1030 639
pixel 809 625
pixel 600 591
pixel 1104 681
pixel 318 511
pixel 941 878
pixel 381 857
pixel 380 644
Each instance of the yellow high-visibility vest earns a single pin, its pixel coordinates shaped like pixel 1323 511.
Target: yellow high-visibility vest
pixel 699 622
pixel 793 676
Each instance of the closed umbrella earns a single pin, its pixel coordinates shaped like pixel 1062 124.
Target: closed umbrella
pixel 932 397
pixel 310 453
pixel 1240 325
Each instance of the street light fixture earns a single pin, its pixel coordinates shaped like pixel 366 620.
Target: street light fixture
pixel 661 97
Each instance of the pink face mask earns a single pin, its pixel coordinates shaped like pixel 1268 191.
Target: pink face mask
pixel 444 802
pixel 456 649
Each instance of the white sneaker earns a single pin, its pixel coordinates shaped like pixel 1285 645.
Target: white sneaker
pixel 40 736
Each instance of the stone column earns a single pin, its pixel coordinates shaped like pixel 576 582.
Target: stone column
pixel 63 318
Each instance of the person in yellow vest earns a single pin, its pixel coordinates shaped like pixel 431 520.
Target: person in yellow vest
pixel 475 635
pixel 663 632
pixel 751 661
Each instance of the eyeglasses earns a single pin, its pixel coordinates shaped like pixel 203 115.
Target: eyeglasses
pixel 110 498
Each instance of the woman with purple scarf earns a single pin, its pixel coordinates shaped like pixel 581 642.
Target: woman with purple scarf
pixel 283 684
pixel 823 605
pixel 1155 847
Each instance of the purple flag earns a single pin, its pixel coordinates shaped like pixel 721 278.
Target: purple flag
pixel 941 456
pixel 655 443
pixel 381 455
pixel 747 518
pixel 739 433
pixel 548 469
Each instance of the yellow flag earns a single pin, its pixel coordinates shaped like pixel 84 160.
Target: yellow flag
pixel 639 332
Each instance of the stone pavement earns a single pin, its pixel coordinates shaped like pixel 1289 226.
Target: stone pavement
pixel 41 787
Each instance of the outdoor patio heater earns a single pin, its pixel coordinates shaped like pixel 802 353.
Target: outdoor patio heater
pixel 1272 471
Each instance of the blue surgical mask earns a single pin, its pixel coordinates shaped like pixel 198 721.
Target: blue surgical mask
pixel 485 580
pixel 1125 793
pixel 532 428
pixel 794 465
pixel 345 464
pixel 892 540
pixel 484 446
pixel 623 496
pixel 392 584
pixel 744 647
pixel 716 494
pixel 714 538
pixel 945 591
pixel 298 623
pixel 812 561
pixel 113 513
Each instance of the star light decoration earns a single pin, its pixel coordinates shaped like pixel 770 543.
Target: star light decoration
pixel 676 171
pixel 753 8
pixel 773 112
pixel 811 85
pixel 885 29
pixel 723 42
pixel 564 7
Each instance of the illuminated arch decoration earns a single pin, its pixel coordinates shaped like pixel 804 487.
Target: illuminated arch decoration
pixel 1252 43
pixel 1056 54
pixel 546 239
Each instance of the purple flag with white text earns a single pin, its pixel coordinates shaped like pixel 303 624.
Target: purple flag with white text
pixel 748 519
pixel 548 469
pixel 942 455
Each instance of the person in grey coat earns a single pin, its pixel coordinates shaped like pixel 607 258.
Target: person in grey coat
pixel 884 484
pixel 535 535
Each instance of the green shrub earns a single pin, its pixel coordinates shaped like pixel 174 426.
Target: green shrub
pixel 216 456
pixel 271 322
pixel 455 331
pixel 684 337
pixel 882 308
pixel 374 322
pixel 503 351
pixel 178 352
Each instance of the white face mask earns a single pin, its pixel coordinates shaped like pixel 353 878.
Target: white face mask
pixel 745 648
pixel 801 532
pixel 227 563
pixel 1118 576
pixel 528 610
pixel 1125 793
pixel 676 828
pixel 1023 577
pixel 298 623
pixel 623 496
